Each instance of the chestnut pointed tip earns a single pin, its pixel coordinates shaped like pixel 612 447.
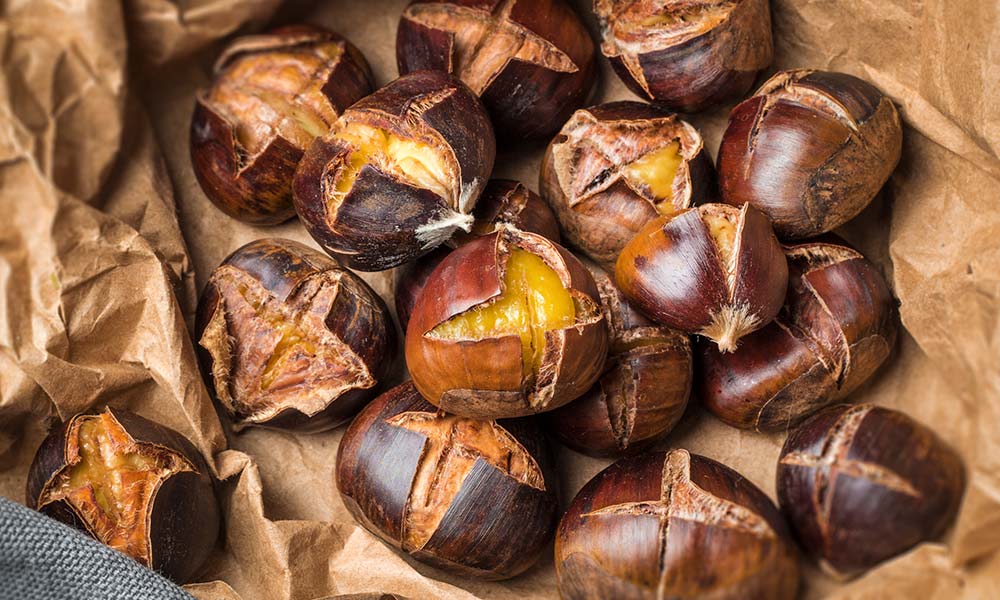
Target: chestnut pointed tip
pixel 729 325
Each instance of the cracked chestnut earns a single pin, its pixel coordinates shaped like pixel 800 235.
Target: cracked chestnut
pixel 837 327
pixel 291 339
pixel 531 62
pixel 398 173
pixel 471 497
pixel 131 484
pixel 810 149
pixel 713 270
pixel 507 325
pixel 862 484
pixel 272 94
pixel 690 55
pixel 673 525
pixel 615 167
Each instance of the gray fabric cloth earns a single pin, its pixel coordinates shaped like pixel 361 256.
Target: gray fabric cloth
pixel 42 559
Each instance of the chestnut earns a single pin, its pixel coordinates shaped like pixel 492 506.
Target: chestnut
pixel 290 339
pixel 837 327
pixel 272 94
pixel 615 167
pixel 687 56
pixel 471 497
pixel 714 270
pixel 673 525
pixel 507 325
pixel 861 484
pixel 398 173
pixel 531 62
pixel 810 149
pixel 131 484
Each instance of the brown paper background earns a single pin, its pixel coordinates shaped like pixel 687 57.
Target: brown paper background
pixel 106 238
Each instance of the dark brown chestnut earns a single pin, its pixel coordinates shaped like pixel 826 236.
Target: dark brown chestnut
pixel 713 270
pixel 673 525
pixel 615 167
pixel 290 339
pixel 810 150
pixel 471 497
pixel 861 484
pixel 836 329
pixel 398 173
pixel 271 96
pixel 131 484
pixel 531 62
pixel 687 55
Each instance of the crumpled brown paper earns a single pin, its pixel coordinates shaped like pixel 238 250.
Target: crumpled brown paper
pixel 106 238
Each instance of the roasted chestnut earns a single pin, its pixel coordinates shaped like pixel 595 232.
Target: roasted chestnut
pixel 861 484
pixel 471 497
pixel 131 484
pixel 836 329
pixel 398 173
pixel 673 525
pixel 291 339
pixel 643 391
pixel 507 325
pixel 271 96
pixel 532 63
pixel 810 149
pixel 713 270
pixel 615 167
pixel 686 55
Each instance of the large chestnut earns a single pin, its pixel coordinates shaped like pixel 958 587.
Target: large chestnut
pixel 398 173
pixel 713 270
pixel 531 62
pixel 686 55
pixel 810 149
pixel 836 329
pixel 673 525
pixel 507 325
pixel 271 96
pixel 136 486
pixel 615 167
pixel 471 497
pixel 291 339
pixel 861 484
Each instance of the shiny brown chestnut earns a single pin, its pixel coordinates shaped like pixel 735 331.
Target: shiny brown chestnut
pixel 471 497
pixel 861 484
pixel 131 484
pixel 272 94
pixel 398 173
pixel 507 325
pixel 689 55
pixel 713 270
pixel 673 525
pixel 531 62
pixel 837 327
pixel 615 167
pixel 810 149
pixel 290 339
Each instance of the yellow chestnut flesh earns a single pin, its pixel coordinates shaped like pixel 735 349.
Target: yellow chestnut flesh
pixel 723 231
pixel 656 171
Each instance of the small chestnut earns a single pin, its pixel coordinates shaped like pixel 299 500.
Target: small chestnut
pixel 861 484
pixel 290 339
pixel 271 96
pixel 686 55
pixel 810 150
pixel 471 497
pixel 531 62
pixel 836 329
pixel 616 166
pixel 714 270
pixel 673 525
pixel 131 484
pixel 398 173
